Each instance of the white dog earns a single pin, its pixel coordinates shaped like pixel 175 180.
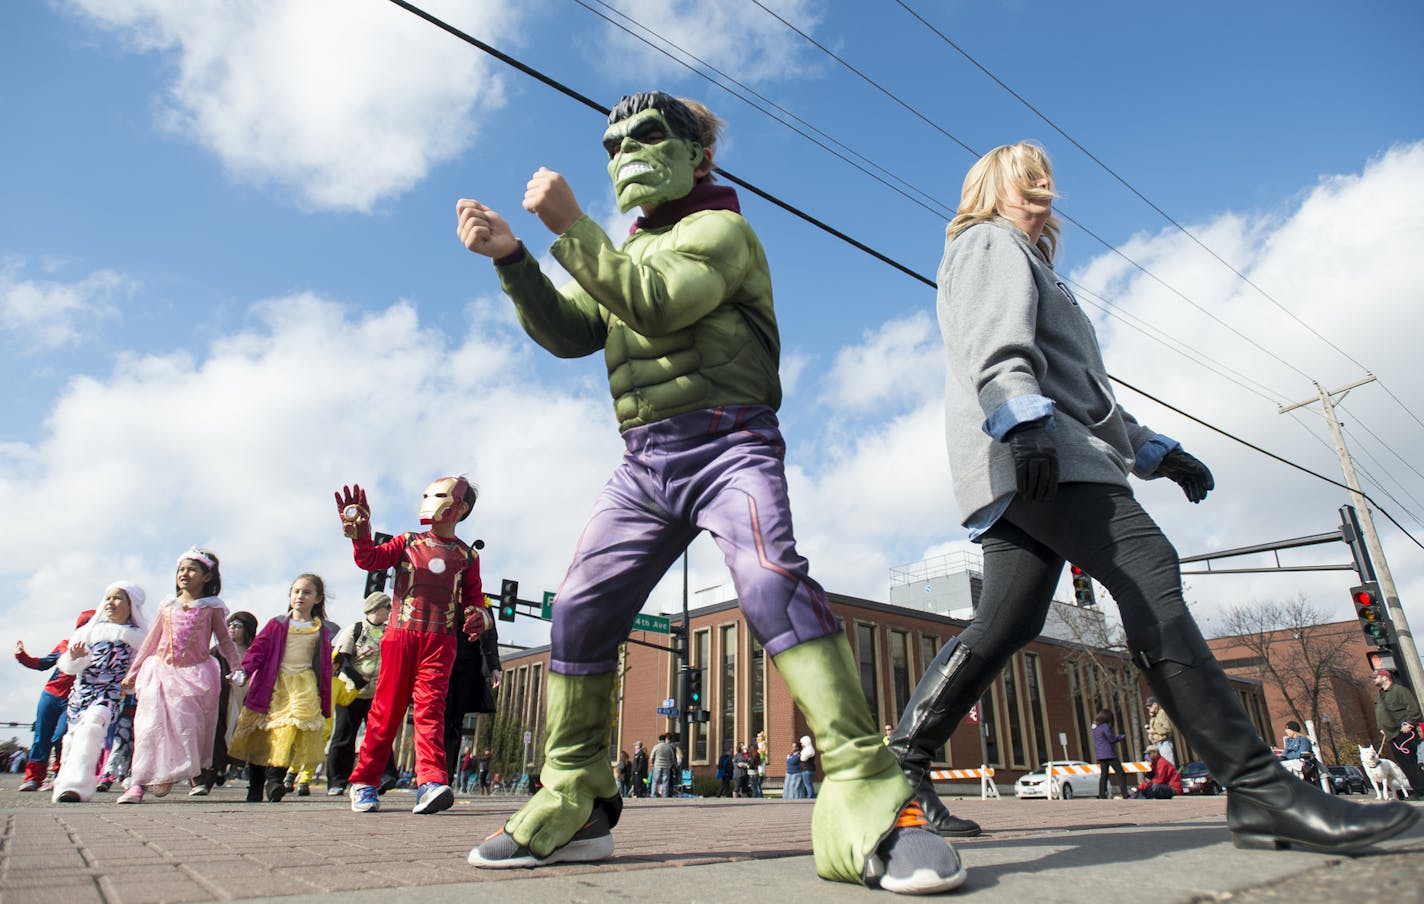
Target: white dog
pixel 1385 775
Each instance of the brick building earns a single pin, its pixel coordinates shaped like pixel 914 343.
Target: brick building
pixel 1040 708
pixel 1347 699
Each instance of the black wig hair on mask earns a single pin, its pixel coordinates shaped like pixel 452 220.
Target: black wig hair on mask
pixel 472 495
pixel 680 119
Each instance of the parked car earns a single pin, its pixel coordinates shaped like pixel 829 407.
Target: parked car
pixel 1035 784
pixel 1196 780
pixel 1347 779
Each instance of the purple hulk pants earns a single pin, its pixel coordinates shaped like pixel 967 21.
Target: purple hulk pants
pixel 718 470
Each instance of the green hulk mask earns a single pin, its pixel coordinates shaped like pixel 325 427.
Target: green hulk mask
pixel 648 163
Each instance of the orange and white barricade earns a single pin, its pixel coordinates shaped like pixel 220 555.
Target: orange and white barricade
pixel 985 775
pixel 1085 769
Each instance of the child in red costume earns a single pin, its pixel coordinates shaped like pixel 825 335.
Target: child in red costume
pixel 49 715
pixel 436 573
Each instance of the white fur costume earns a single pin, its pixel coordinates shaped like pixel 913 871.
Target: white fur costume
pixel 94 699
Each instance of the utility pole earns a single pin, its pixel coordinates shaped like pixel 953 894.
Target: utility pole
pixel 1407 651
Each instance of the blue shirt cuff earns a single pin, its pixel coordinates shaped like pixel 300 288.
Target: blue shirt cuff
pixel 1018 410
pixel 1150 455
pixel 980 522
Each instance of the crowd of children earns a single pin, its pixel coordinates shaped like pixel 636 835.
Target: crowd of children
pixel 190 692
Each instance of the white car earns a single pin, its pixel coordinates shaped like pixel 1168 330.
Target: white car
pixel 1035 784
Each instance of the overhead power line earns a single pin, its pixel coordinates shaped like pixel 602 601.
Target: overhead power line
pixel 571 93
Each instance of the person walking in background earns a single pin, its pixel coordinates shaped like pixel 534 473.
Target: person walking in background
pixel 1295 744
pixel 741 765
pixel 98 656
pixel 808 768
pixel 483 765
pixel 473 679
pixel 1105 741
pixel 242 628
pixel 640 770
pixel 177 682
pixel 1163 782
pixel 357 655
pixel 662 761
pixel 49 714
pixel 1159 730
pixel 288 701
pixel 1040 453
pixel 790 788
pixel 725 771
pixel 1398 718
pixel 624 771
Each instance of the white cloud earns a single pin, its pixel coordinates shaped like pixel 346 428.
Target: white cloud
pixel 337 104
pixel 45 314
pixel 731 36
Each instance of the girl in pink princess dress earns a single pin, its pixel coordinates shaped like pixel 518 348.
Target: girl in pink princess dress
pixel 176 680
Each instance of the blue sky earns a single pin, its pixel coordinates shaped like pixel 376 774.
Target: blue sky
pixel 229 280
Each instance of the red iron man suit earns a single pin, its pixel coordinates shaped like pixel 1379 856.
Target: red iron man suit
pixel 436 572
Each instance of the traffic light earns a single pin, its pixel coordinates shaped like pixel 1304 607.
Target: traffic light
pixel 376 580
pixel 1082 587
pixel 1369 609
pixel 508 597
pixel 694 690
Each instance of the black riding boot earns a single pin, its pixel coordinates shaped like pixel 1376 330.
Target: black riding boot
pixel 1266 806
pixel 953 683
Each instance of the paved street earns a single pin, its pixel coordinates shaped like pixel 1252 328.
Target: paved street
pixel 301 850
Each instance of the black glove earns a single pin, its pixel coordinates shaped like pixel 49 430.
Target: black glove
pixel 1035 461
pixel 1186 472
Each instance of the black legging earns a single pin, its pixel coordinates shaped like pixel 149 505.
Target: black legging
pixel 1100 528
pixel 1111 764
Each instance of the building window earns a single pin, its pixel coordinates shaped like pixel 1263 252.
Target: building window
pixel 1013 716
pixel 1037 714
pixel 756 686
pixel 869 671
pixel 697 742
pixel 727 688
pixel 536 718
pixel 989 719
pixel 899 672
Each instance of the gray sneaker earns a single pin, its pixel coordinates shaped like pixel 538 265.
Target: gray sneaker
pixel 592 842
pixel 916 861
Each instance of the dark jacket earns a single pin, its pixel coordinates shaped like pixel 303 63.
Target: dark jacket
pixel 1396 705
pixel 1105 741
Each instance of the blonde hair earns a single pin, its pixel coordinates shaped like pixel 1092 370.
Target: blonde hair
pixel 1021 165
pixel 709 129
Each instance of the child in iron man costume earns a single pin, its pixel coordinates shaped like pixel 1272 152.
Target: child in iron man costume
pixel 436 572
pixel 682 311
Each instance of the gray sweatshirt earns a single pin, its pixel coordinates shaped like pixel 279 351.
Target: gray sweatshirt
pixel 1016 340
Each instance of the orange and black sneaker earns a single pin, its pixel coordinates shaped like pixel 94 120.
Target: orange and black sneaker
pixel 913 859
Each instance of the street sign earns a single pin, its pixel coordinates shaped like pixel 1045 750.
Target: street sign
pixel 547 611
pixel 667 711
pixel 668 701
pixel 658 624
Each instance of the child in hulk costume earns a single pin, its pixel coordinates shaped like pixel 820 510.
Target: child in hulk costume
pixel 683 314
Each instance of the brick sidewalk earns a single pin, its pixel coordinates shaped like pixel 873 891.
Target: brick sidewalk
pixel 220 848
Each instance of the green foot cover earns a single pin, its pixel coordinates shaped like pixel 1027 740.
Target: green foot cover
pixel 864 789
pixel 576 766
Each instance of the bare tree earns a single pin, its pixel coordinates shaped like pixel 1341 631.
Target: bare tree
pixel 1292 653
pixel 1100 669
